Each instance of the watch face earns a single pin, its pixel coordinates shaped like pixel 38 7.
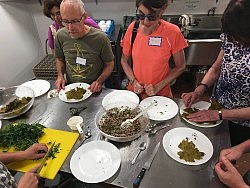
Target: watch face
pixel 220 114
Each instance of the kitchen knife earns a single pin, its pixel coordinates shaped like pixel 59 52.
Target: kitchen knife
pixel 45 158
pixel 145 167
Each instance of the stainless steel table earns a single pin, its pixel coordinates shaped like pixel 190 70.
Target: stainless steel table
pixel 164 171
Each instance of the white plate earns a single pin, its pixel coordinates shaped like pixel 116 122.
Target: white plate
pixel 165 108
pixel 201 105
pixel 86 95
pixel 173 138
pixel 95 161
pixel 39 86
pixel 120 98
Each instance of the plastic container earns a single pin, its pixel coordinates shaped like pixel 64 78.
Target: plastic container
pixel 107 26
pixel 46 69
pixel 76 123
pixel 10 94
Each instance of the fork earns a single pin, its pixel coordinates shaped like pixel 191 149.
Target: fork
pixel 129 122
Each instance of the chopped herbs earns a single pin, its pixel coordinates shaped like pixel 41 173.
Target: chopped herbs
pixel 54 151
pixel 20 135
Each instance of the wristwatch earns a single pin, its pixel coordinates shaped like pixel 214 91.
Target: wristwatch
pixel 205 86
pixel 220 114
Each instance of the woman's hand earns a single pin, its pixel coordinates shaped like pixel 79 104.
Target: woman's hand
pixel 204 116
pixel 229 175
pixel 190 98
pixel 34 151
pixel 231 154
pixel 30 179
pixel 138 88
pixel 150 89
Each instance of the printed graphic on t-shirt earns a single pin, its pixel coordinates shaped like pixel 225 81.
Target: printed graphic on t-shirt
pixel 80 67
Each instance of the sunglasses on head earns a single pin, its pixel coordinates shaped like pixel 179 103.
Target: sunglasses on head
pixel 142 16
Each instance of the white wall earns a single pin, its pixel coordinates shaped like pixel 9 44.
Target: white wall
pixel 20 45
pixel 116 9
pixel 24 29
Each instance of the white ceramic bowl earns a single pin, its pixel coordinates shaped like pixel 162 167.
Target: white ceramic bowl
pixel 10 94
pixel 144 121
pixel 119 98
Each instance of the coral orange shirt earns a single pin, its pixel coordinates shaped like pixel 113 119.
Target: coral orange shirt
pixel 151 53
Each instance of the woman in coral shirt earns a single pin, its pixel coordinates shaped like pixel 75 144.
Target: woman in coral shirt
pixel 156 41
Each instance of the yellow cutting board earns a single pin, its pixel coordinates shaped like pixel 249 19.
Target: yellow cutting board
pixel 66 139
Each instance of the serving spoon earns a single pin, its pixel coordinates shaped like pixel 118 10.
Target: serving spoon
pixel 87 135
pixel 153 132
pixel 142 147
pixel 129 122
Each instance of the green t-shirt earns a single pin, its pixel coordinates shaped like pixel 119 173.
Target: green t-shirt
pixel 94 49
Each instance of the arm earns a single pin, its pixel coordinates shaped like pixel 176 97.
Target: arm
pixel 96 86
pixel 236 114
pixel 229 175
pixel 210 78
pixel 226 172
pixel 235 152
pixel 213 115
pixel 29 179
pixel 108 68
pixel 60 66
pixel 30 153
pixel 212 75
pixel 180 65
pixel 138 88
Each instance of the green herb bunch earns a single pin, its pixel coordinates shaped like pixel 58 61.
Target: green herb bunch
pixel 20 135
pixel 54 151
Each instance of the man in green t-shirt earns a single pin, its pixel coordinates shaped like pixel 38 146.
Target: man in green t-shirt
pixel 82 52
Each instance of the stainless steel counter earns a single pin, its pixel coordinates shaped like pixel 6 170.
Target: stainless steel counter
pixel 164 171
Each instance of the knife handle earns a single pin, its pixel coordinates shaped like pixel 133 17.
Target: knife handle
pixel 138 179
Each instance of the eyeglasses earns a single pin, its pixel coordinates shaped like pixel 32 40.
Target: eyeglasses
pixel 73 22
pixel 150 17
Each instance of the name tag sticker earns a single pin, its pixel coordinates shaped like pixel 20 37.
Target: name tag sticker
pixel 154 41
pixel 81 61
